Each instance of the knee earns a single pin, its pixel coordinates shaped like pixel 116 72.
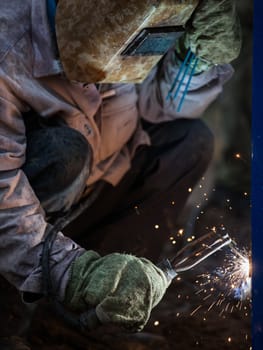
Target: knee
pixel 55 157
pixel 194 137
pixel 196 144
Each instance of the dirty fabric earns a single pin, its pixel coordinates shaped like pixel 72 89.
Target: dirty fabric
pixel 214 32
pixel 122 287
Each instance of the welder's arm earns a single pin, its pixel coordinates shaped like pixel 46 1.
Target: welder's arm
pixel 154 104
pixel 213 34
pixel 122 288
pixel 22 224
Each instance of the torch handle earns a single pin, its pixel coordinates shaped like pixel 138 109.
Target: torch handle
pixel 89 320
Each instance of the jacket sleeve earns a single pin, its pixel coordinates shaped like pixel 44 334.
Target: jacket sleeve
pixel 22 223
pixel 204 88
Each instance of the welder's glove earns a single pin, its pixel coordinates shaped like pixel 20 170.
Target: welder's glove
pixel 122 288
pixel 213 33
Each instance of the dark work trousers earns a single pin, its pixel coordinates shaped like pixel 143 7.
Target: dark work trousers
pixel 138 215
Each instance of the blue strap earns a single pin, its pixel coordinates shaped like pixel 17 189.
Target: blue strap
pixel 190 61
pixel 182 67
pixel 51 10
pixel 187 85
pixel 192 56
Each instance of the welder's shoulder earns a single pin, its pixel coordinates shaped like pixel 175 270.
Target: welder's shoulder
pixel 15 20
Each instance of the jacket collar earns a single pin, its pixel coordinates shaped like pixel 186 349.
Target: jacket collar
pixel 44 45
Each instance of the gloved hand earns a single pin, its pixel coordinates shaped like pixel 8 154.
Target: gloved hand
pixel 122 287
pixel 213 33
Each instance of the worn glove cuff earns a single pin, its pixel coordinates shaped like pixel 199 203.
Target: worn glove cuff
pixel 181 48
pixel 213 33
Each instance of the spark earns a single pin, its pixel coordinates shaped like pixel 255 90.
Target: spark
pixel 237 273
pixel 195 310
pixel 190 189
pixel 207 297
pixel 156 323
pixel 156 227
pixel 217 290
pixel 173 241
pixel 136 208
pixel 211 306
pixel 241 158
pixel 229 285
pixel 180 232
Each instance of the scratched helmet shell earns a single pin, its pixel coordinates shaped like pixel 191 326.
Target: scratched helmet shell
pixel 117 40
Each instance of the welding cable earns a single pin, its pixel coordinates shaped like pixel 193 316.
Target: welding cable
pixel 180 71
pixel 188 84
pixel 87 320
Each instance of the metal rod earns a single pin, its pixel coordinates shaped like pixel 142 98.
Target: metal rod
pixel 194 253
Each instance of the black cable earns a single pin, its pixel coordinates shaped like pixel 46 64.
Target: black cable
pixel 87 320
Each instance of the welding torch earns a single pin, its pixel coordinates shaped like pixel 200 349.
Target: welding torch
pixel 185 259
pixel 194 253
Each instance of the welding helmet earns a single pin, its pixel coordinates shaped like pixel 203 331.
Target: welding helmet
pixel 111 41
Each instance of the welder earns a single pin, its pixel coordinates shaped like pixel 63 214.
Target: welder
pixel 86 113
